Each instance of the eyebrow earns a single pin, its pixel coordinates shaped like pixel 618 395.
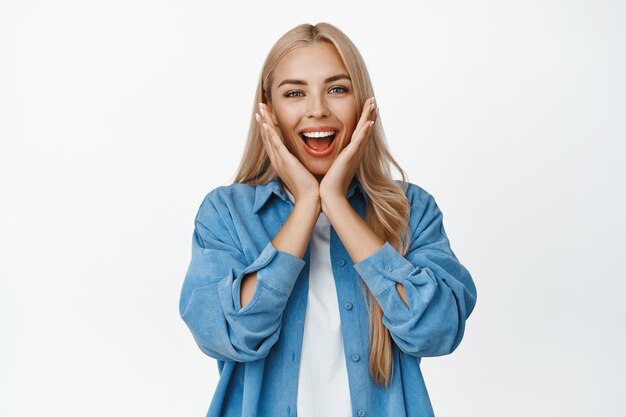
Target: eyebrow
pixel 326 81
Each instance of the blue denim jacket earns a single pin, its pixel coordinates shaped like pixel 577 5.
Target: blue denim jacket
pixel 257 347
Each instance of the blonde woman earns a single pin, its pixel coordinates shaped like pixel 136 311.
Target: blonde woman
pixel 317 281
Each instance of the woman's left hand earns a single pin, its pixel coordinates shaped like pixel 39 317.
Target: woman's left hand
pixel 337 180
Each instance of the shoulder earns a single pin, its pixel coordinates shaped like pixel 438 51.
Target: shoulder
pixel 423 207
pixel 237 192
pixel 227 198
pixel 425 219
pixel 417 195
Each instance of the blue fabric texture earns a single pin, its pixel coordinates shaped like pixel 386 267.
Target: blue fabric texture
pixel 258 347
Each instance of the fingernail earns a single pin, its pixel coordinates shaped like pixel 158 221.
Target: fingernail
pixel 266 126
pixel 373 103
pixel 260 106
pixel 256 115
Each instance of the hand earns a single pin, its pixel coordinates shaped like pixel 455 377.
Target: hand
pixel 336 181
pixel 299 181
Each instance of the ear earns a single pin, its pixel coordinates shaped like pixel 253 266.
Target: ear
pixel 271 109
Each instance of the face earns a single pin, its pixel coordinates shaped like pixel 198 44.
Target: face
pixel 312 97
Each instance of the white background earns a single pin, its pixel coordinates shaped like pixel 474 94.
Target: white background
pixel 117 117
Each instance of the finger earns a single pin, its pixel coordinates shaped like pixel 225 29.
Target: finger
pixel 280 148
pixel 265 138
pixel 272 138
pixel 281 152
pixel 273 134
pixel 372 115
pixel 365 122
pixel 262 131
pixel 367 108
pixel 375 112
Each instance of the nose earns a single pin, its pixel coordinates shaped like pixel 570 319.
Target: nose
pixel 317 107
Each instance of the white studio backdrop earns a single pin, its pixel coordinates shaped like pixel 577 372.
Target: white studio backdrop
pixel 117 117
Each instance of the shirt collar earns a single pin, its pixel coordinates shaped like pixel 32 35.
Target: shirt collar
pixel 275 186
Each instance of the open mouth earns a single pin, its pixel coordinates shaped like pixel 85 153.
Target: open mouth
pixel 318 140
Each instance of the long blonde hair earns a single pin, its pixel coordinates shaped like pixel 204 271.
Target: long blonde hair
pixel 387 207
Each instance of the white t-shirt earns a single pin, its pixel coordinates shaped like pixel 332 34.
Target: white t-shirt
pixel 323 388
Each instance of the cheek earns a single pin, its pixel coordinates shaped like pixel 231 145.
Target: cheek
pixel 350 125
pixel 288 139
pixel 349 117
pixel 287 126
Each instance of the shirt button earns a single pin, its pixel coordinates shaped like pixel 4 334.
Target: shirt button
pixel 355 357
pixel 341 262
pixel 361 412
pixel 388 268
pixel 348 306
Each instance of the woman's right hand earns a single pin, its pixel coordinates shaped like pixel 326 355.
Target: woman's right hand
pixel 298 179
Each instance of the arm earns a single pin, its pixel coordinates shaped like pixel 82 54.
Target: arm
pixel 292 238
pixel 359 240
pixel 440 291
pixel 210 303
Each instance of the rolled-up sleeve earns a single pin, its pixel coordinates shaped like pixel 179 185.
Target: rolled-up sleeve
pixel 210 301
pixel 440 290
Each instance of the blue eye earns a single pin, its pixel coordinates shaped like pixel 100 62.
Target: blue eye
pixel 334 90
pixel 343 90
pixel 289 94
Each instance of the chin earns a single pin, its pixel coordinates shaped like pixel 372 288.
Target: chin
pixel 318 170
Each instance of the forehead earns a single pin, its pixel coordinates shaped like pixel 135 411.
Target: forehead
pixel 317 61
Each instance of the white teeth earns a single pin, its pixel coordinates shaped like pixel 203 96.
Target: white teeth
pixel 318 134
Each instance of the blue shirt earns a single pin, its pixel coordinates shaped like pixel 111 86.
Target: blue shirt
pixel 257 347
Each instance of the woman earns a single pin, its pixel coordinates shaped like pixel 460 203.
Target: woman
pixel 316 280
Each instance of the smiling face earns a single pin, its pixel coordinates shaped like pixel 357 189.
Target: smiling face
pixel 314 105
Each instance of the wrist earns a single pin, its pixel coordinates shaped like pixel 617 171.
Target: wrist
pixel 310 202
pixel 333 200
